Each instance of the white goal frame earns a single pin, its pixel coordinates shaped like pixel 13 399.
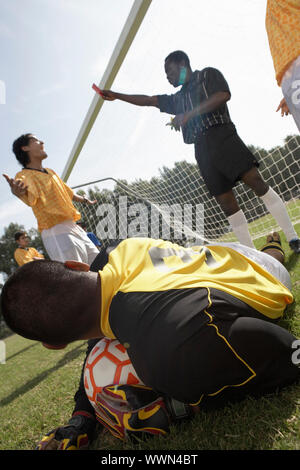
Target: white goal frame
pixel 131 27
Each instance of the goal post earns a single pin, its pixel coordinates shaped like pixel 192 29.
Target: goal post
pixel 135 18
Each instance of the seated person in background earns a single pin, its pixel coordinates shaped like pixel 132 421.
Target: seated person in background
pixel 24 253
pixel 217 302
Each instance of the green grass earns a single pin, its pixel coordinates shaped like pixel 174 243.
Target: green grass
pixel 38 385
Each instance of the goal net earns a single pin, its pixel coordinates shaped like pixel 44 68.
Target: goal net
pixel 177 206
pixel 144 178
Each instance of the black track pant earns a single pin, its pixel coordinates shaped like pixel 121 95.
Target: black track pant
pixel 270 351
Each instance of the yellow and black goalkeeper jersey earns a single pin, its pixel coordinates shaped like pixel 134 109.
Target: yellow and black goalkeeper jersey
pixel 147 265
pixel 173 308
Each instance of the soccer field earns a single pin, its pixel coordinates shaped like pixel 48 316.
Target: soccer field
pixel 38 385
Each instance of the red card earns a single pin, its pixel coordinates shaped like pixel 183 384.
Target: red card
pixel 97 90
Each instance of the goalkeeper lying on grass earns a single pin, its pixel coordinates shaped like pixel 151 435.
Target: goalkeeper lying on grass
pixel 199 322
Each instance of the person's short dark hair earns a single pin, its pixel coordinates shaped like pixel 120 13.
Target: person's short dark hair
pixel 177 57
pixel 20 154
pixel 18 235
pixel 39 301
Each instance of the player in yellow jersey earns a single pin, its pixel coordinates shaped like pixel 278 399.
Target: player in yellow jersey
pixel 198 323
pixel 283 29
pixel 80 430
pixel 52 203
pixel 24 254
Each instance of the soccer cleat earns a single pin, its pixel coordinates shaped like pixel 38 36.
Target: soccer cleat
pixel 295 245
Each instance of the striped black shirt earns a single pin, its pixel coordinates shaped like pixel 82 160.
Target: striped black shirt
pixel 202 84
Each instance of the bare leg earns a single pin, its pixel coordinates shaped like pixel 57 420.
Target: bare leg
pixel 254 180
pixel 228 203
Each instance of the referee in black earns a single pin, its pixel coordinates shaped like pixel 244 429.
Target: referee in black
pixel 201 112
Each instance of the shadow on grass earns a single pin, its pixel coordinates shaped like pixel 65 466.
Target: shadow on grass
pixel 69 356
pixel 21 351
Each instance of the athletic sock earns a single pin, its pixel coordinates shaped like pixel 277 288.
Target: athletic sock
pixel 239 225
pixel 277 209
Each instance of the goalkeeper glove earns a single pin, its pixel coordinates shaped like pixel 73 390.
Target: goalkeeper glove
pixel 76 435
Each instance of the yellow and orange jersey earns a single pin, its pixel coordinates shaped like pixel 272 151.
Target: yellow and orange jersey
pixel 25 255
pixel 49 197
pixel 283 28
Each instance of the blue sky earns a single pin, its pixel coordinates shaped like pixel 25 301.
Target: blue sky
pixel 53 50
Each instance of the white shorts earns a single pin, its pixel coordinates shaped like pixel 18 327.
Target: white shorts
pixel 290 86
pixel 267 262
pixel 68 241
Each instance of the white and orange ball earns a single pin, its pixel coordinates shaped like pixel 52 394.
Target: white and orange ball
pixel 107 364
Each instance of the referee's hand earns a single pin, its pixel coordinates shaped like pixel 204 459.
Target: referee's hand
pixel 179 121
pixel 108 95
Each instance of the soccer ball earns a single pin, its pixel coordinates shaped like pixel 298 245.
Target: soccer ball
pixel 108 363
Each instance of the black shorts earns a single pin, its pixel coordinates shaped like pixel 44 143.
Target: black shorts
pixel 222 158
pixel 192 344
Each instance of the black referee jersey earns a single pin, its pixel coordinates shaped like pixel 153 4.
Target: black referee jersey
pixel 202 84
